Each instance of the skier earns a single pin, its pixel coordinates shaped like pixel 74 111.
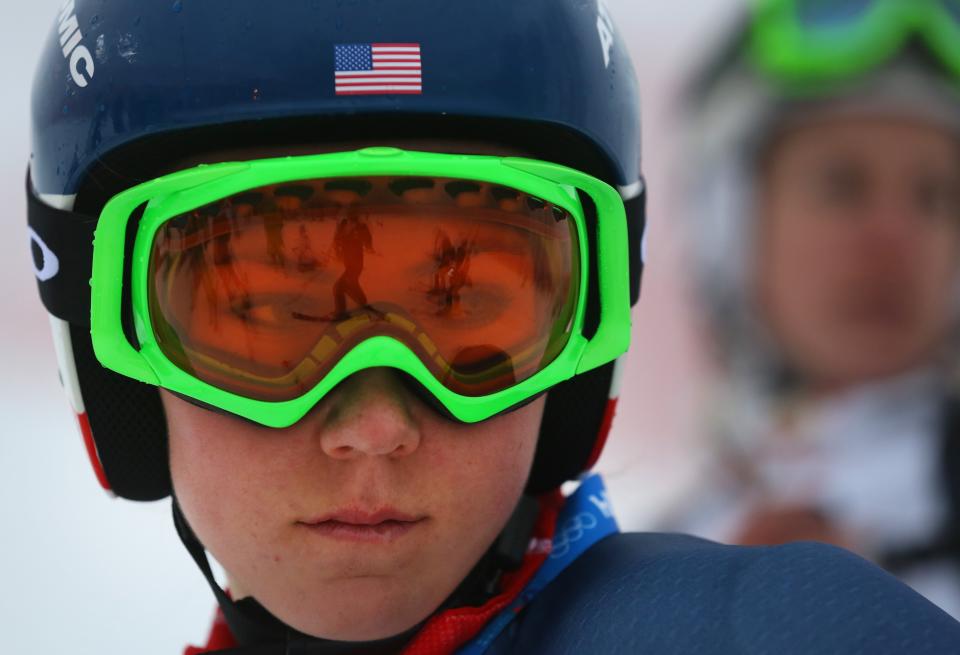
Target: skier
pixel 391 485
pixel 826 229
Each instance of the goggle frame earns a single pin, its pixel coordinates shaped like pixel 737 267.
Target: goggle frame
pixel 799 55
pixel 175 194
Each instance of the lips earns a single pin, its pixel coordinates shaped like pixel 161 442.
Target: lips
pixel 380 526
pixel 878 309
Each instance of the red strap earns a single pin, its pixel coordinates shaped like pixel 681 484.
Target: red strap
pixel 219 639
pixel 605 425
pixel 92 450
pixel 446 632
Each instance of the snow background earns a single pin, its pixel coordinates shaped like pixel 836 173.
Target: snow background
pixel 86 574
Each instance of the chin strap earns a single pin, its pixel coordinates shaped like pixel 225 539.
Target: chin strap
pixel 249 624
pixel 261 633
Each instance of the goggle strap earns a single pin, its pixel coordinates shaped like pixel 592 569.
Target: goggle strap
pixel 636 210
pixel 62 244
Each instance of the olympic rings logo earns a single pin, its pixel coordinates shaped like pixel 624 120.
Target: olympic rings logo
pixel 571 532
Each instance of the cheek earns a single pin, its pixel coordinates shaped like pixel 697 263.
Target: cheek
pixel 806 251
pixel 788 282
pixel 206 452
pixel 483 470
pixel 940 258
pixel 938 270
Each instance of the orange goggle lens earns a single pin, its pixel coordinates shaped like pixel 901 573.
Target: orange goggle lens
pixel 262 293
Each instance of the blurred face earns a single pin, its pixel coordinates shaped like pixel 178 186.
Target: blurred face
pixel 360 520
pixel 857 254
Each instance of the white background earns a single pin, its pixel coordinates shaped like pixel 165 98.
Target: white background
pixel 82 573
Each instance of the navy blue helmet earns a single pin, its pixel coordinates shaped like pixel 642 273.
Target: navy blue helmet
pixel 125 89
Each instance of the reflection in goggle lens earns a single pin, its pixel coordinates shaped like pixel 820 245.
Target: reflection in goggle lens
pixel 262 293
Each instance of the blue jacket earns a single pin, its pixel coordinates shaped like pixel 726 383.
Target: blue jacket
pixel 609 593
pixel 665 594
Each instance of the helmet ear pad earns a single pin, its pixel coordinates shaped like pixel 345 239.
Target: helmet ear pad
pixel 128 425
pixel 573 430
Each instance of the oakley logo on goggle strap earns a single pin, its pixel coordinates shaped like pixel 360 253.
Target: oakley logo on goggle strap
pixel 46 265
pixel 73 50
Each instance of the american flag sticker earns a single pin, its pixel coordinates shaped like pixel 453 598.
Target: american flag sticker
pixel 378 69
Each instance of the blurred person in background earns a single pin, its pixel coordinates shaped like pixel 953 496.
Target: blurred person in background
pixel 825 229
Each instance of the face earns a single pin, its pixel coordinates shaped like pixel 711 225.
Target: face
pixel 857 255
pixel 360 520
pixel 357 522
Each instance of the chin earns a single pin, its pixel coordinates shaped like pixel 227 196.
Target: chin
pixel 361 610
pixel 844 370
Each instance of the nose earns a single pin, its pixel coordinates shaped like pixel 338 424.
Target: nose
pixel 892 231
pixel 369 415
pixel 893 222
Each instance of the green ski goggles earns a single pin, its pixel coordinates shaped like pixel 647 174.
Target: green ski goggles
pixel 256 287
pixel 829 40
